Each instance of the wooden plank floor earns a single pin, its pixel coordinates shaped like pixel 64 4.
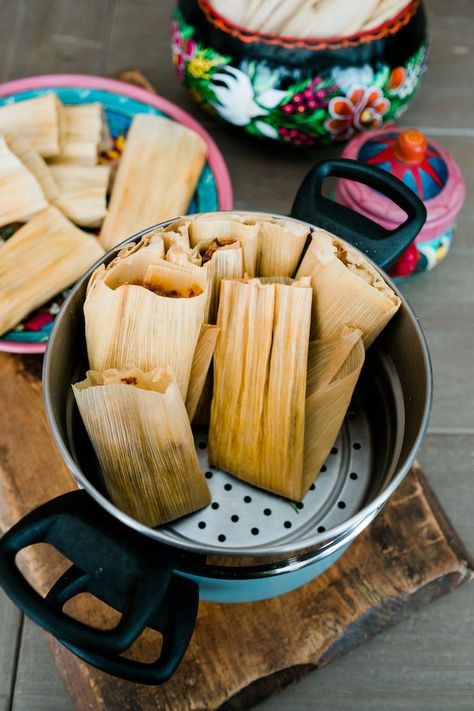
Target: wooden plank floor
pixel 426 662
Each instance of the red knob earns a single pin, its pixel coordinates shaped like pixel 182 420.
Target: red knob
pixel 410 146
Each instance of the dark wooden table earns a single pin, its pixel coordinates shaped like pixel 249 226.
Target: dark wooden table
pixel 425 663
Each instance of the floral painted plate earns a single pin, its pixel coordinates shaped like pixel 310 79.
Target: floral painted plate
pixel 121 102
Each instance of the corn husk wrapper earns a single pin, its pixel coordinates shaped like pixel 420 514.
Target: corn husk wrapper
pixel 131 262
pixel 330 396
pixel 206 228
pixel 37 166
pixel 42 258
pixel 83 132
pixel 144 312
pixel 281 245
pixel 258 407
pixel 182 255
pixel 326 358
pixel 225 263
pixel 200 367
pixel 347 290
pixel 222 259
pixel 139 428
pixel 161 153
pixel 177 233
pixel 82 192
pixel 21 195
pixel 36 120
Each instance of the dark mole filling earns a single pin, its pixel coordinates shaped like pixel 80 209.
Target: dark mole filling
pixel 214 246
pixel 131 380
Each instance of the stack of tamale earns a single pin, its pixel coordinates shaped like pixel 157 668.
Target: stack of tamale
pixel 51 184
pixel 229 308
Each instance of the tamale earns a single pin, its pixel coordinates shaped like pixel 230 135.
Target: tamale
pixel 82 192
pixel 258 407
pixel 83 132
pixel 230 226
pixel 347 290
pixel 144 311
pixel 329 398
pixel 42 258
pixel 139 428
pixel 160 153
pixel 21 195
pixel 222 259
pixel 200 367
pixel 32 160
pixel 281 245
pixel 36 120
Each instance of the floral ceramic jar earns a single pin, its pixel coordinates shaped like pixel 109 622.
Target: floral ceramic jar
pixel 429 171
pixel 301 91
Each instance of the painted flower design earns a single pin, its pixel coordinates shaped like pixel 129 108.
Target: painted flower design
pixel 313 97
pixel 361 109
pixel 184 50
pixel 237 100
pixel 396 80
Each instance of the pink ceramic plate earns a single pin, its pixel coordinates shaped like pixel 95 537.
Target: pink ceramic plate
pixel 121 102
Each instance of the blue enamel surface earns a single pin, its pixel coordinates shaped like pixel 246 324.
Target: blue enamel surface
pixel 253 589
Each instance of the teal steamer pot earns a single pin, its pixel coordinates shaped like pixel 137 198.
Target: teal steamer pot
pixel 248 545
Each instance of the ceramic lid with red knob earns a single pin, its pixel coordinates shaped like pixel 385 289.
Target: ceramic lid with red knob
pixel 429 170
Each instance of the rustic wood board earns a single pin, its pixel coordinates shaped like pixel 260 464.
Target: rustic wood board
pixel 409 556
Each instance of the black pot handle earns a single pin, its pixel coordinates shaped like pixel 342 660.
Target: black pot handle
pixel 117 565
pixel 383 246
pixel 174 619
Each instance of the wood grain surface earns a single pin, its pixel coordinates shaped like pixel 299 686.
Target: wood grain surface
pixel 408 556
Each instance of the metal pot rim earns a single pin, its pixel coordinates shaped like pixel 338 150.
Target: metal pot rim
pixel 317 540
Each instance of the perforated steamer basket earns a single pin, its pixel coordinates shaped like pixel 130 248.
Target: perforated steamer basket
pixel 248 544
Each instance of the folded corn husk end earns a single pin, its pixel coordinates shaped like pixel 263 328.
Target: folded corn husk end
pixel 33 161
pixel 36 120
pixel 200 367
pixel 347 289
pixel 227 226
pixel 281 245
pixel 21 194
pixel 83 131
pixel 146 311
pixel 140 431
pixel 82 192
pixel 44 257
pixel 328 399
